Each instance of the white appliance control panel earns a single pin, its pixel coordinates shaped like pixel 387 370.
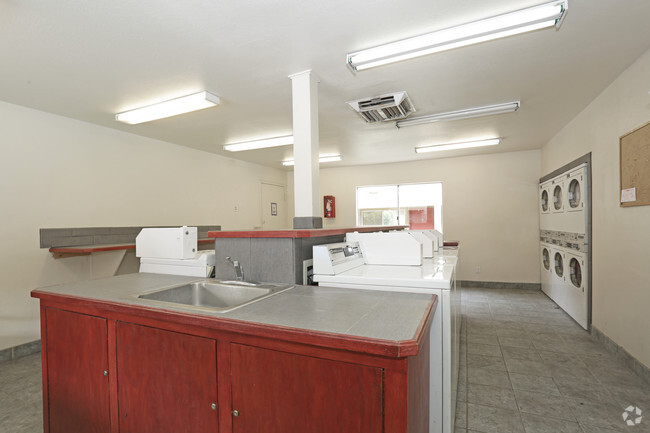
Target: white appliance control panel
pixel 332 259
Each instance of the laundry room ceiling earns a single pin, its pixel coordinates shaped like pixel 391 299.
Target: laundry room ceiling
pixel 90 60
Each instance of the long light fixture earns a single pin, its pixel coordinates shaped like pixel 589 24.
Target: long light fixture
pixel 467 113
pixel 324 158
pixel 521 21
pixel 173 107
pixel 259 144
pixel 462 145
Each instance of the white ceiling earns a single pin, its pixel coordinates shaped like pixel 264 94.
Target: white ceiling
pixel 91 59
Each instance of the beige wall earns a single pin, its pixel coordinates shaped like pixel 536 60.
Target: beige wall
pixel 621 236
pixel 490 205
pixel 58 172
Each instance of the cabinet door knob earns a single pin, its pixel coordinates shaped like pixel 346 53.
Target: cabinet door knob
pixel 213 406
pixel 105 372
pixel 235 413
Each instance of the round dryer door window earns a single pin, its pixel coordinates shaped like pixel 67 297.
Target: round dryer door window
pixel 557 197
pixel 559 264
pixel 544 200
pixel 546 259
pixel 574 193
pixel 576 272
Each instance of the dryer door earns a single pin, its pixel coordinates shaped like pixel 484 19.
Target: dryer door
pixel 546 259
pixel 543 201
pixel 558 202
pixel 558 262
pixel 575 272
pixel 574 194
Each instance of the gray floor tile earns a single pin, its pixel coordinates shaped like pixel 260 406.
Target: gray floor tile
pixel 594 429
pixel 552 406
pixel 553 365
pixel 542 384
pixel 522 341
pixel 461 415
pixel 577 388
pixel 484 349
pixel 491 396
pixel 487 376
pixel 482 361
pixel 483 339
pixel 544 424
pixel 601 414
pixel 493 419
pixel 515 331
pixel 525 353
pixel 523 366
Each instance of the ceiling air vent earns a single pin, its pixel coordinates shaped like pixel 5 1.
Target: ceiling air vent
pixel 383 108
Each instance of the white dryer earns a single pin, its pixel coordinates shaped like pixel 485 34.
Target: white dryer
pixel 575 217
pixel 435 276
pixel 577 287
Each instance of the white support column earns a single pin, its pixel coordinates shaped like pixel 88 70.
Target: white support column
pixel 304 87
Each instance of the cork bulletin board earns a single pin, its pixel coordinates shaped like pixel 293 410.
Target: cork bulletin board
pixel 635 167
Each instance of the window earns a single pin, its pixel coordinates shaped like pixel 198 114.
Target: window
pixel 417 205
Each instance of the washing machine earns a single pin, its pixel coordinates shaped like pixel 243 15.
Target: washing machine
pixel 576 290
pixel 546 268
pixel 333 268
pixel 558 276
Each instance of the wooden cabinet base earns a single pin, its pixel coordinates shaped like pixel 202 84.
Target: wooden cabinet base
pixel 111 370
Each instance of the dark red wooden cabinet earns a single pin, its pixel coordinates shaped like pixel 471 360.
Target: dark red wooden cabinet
pixel 76 383
pixel 166 381
pixel 125 369
pixel 277 392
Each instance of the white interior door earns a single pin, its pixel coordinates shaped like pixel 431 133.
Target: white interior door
pixel 274 207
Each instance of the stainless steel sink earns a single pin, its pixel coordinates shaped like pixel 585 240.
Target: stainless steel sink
pixel 213 295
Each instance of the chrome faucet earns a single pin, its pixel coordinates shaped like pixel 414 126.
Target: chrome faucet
pixel 239 269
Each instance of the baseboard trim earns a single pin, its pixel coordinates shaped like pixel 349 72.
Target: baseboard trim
pixel 20 351
pixel 630 361
pixel 500 285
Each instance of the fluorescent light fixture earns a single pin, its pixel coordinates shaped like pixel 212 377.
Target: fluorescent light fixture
pixel 524 20
pixel 467 113
pixel 324 158
pixel 259 144
pixel 462 145
pixel 173 107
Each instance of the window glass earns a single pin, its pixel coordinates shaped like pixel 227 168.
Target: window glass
pixel 417 205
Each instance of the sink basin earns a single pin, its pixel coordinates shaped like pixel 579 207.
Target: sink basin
pixel 213 295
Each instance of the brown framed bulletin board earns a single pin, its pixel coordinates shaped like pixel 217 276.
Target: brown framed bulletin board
pixel 635 167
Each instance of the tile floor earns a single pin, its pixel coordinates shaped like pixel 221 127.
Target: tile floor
pixel 21 405
pixel 525 367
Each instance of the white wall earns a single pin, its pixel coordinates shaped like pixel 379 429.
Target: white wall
pixel 489 205
pixel 621 236
pixel 58 172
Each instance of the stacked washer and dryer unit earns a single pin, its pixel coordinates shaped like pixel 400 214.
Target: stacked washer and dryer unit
pixel 564 205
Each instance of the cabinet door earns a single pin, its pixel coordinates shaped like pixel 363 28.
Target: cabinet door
pixel 76 356
pixel 277 392
pixel 167 381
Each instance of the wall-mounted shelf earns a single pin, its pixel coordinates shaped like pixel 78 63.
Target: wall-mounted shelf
pixel 63 252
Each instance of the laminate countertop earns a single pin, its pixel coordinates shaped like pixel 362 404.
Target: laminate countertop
pixel 389 323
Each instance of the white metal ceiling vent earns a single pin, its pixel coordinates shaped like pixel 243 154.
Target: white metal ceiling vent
pixel 383 108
